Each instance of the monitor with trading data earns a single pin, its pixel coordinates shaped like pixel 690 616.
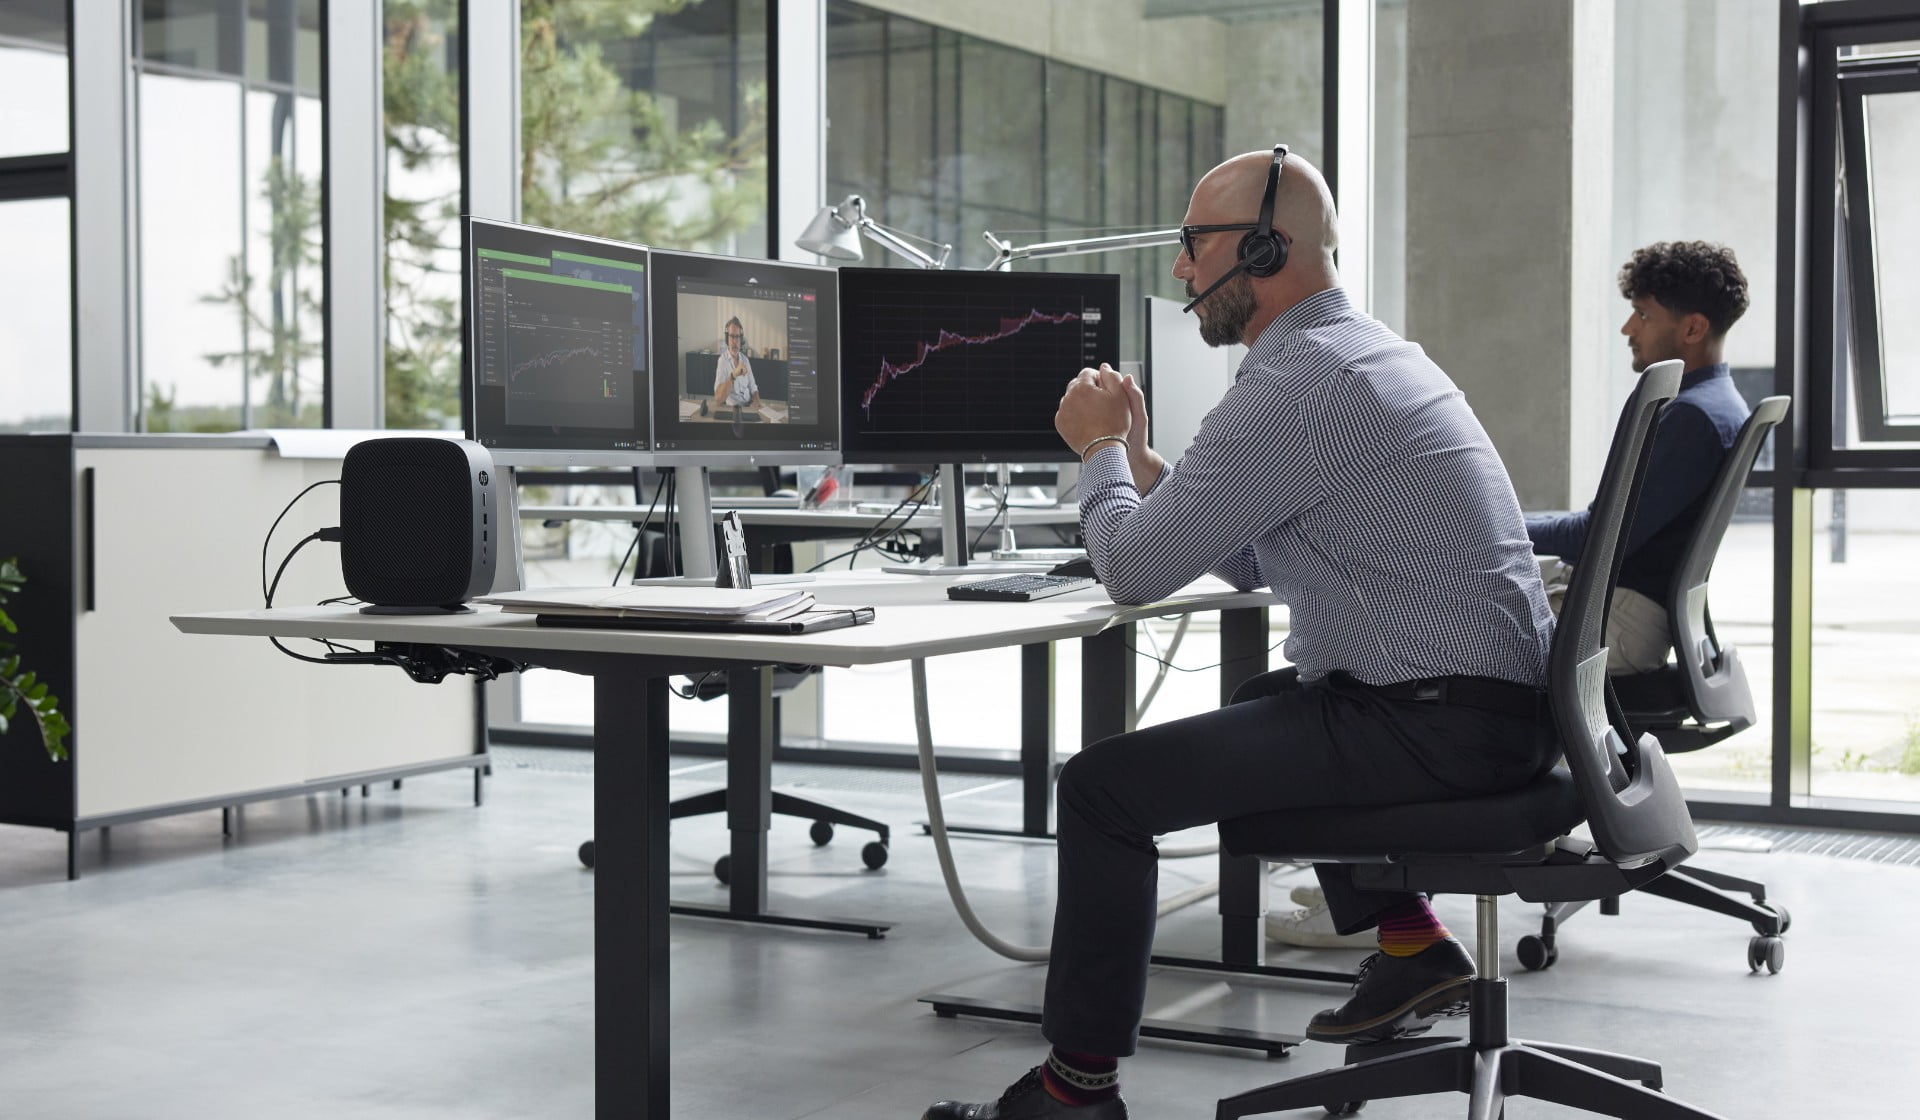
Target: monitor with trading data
pixel 745 367
pixel 946 367
pixel 556 348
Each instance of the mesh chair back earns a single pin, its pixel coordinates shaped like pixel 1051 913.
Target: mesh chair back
pixel 1634 805
pixel 1716 684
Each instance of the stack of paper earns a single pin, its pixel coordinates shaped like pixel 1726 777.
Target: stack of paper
pixel 641 601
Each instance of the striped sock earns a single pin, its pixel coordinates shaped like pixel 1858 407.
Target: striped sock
pixel 1409 928
pixel 1080 1079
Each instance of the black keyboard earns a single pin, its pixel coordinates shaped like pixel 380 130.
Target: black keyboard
pixel 1018 588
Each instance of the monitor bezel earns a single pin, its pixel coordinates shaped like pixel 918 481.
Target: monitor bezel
pixel 469 334
pixel 1058 454
pixel 829 328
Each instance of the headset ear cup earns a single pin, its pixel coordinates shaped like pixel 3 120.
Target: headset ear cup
pixel 1263 253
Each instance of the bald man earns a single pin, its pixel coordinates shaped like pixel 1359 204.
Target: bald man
pixel 1344 471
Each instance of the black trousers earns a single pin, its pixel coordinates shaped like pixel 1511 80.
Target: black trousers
pixel 1280 745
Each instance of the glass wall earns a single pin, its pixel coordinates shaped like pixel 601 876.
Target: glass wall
pixel 36 332
pixel 949 135
pixel 33 77
pixel 646 122
pixel 227 182
pixel 420 83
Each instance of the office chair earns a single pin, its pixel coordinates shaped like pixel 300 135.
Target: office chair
pixel 713 686
pixel 1513 843
pixel 1695 701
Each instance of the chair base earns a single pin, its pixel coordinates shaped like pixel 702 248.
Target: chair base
pixel 1487 1066
pixel 1699 887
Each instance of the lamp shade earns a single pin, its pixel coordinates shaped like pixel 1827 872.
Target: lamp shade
pixel 832 234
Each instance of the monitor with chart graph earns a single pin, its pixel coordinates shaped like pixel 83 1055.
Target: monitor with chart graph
pixel 946 367
pixel 556 347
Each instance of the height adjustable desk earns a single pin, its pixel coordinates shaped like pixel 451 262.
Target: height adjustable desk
pixel 630 670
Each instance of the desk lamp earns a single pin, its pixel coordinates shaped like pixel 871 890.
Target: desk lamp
pixel 835 233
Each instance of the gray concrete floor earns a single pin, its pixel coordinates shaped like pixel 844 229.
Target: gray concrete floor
pixel 408 955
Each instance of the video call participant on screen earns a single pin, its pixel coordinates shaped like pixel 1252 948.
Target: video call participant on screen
pixel 733 383
pixel 1686 295
pixel 1345 471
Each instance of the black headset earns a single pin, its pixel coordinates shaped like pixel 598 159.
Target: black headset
pixel 1263 251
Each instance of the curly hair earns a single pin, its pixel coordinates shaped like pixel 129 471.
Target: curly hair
pixel 1686 277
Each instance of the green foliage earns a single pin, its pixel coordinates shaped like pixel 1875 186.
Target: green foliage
pixel 20 687
pixel 1910 750
pixel 596 157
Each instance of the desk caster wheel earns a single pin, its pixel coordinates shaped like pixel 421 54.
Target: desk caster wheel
pixel 822 833
pixel 1786 920
pixel 874 855
pixel 1346 1108
pixel 723 867
pixel 586 853
pixel 1768 952
pixel 1536 953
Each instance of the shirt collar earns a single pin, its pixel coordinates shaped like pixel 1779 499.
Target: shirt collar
pixel 1324 306
pixel 1696 376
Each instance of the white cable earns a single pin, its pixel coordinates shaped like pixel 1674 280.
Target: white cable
pixel 943 848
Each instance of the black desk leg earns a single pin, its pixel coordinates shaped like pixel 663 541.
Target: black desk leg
pixel 1107 684
pixel 1243 880
pixel 749 786
pixel 630 884
pixel 1036 751
pixel 749 801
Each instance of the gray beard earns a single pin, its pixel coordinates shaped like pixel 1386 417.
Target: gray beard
pixel 1229 310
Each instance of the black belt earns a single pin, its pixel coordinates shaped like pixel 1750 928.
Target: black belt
pixel 1489 693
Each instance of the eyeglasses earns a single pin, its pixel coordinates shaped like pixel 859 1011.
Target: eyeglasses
pixel 1187 233
pixel 735 334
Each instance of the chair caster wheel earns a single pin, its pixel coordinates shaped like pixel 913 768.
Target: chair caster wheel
pixel 721 868
pixel 822 833
pixel 586 853
pixel 1786 920
pixel 874 855
pixel 1770 952
pixel 1537 953
pixel 1346 1108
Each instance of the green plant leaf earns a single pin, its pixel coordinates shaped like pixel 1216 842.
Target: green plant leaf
pixel 38 692
pixel 7 624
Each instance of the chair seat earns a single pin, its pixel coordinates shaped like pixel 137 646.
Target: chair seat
pixel 1655 699
pixel 1514 821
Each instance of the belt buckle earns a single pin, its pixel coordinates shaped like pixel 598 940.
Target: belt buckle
pixel 1430 690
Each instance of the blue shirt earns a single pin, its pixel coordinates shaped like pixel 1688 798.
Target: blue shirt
pixel 1690 442
pixel 1346 472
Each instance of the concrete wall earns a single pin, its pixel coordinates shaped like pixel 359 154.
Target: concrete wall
pixel 1507 162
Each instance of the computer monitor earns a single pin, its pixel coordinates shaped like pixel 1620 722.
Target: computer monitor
pixel 556 349
pixel 966 367
pixel 746 362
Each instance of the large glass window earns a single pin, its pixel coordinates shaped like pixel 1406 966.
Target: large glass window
pixel 228 188
pixel 1880 154
pixel 36 332
pixel 948 135
pixel 420 68
pixel 33 77
pixel 646 122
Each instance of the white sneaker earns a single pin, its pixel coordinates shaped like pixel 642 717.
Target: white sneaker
pixel 1308 896
pixel 1311 927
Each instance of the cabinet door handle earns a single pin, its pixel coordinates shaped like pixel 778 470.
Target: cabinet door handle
pixel 87 523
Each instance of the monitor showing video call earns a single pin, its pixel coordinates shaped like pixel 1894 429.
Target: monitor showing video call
pixel 744 359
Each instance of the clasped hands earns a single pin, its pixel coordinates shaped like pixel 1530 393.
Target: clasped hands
pixel 1102 402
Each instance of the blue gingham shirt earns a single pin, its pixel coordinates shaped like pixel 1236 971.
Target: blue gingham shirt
pixel 1344 471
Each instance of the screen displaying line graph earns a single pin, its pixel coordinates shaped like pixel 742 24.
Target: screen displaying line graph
pixel 557 345
pixel 953 366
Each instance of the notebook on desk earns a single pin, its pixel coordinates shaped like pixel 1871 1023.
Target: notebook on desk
pixel 809 621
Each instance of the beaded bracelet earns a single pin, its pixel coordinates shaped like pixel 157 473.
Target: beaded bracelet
pixel 1093 443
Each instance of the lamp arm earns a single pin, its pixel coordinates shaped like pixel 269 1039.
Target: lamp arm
pixel 1005 252
pixel 886 237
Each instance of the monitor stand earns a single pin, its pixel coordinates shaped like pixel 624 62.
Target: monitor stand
pixel 954 560
pixel 693 524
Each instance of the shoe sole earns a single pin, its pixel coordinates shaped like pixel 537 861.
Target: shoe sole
pixel 1444 1000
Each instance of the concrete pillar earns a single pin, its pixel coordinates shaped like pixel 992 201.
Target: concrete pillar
pixel 1509 274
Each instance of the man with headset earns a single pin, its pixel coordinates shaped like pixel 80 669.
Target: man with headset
pixel 1347 473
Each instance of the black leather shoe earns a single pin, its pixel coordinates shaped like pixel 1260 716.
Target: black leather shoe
pixel 1027 1099
pixel 1399 996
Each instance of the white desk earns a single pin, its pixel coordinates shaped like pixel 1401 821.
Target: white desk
pixel 926 517
pixel 630 670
